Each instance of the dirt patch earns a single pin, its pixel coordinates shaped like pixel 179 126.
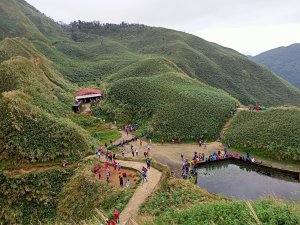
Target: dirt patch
pixel 169 154
pixel 132 175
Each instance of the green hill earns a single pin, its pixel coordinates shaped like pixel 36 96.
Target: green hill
pixel 20 19
pixel 90 51
pixel 174 83
pixel 285 61
pixel 35 101
pixel 31 198
pixel 209 63
pixel 273 133
pixel 173 104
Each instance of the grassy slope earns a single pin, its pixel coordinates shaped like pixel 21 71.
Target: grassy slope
pixel 184 203
pixel 100 52
pixel 96 128
pixel 19 19
pixel 175 104
pixel 128 51
pixel 30 198
pixel 90 194
pixel 29 134
pixel 275 132
pixel 34 101
pixel 285 61
pixel 100 56
pixel 234 213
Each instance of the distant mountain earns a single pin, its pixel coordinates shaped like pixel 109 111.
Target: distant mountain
pixel 285 61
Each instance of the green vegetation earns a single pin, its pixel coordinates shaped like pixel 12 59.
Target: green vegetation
pixel 35 101
pixel 175 104
pixel 284 61
pixel 24 69
pixel 275 132
pixel 171 83
pixel 126 58
pixel 28 134
pixel 96 128
pixel 177 195
pixel 268 212
pixel 90 51
pixel 31 198
pixel 181 202
pixel 19 19
pixel 90 194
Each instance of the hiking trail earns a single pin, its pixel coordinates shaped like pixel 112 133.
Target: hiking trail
pixel 142 192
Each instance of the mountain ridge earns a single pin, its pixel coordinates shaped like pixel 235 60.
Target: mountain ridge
pixel 284 61
pixel 113 47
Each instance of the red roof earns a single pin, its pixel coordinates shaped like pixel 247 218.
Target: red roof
pixel 88 91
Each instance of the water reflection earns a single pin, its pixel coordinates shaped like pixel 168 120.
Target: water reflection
pixel 245 182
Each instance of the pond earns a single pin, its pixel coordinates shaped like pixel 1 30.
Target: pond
pixel 243 181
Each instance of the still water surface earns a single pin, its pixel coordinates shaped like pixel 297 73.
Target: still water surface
pixel 243 182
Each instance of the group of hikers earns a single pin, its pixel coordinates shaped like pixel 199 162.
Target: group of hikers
pixel 111 161
pixel 188 167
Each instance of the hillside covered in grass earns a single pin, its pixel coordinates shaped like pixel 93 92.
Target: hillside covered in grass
pixel 181 202
pixel 35 102
pixel 171 103
pixel 99 55
pixel 172 83
pixel 31 198
pixel 91 51
pixel 273 133
pixel 284 61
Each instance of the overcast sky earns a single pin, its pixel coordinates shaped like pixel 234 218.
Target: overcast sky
pixel 248 26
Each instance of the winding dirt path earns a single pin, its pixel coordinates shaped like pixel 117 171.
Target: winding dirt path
pixel 141 193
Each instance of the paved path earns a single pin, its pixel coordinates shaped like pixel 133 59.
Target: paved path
pixel 141 193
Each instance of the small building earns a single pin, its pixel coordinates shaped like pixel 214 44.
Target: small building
pixel 85 96
pixel 88 95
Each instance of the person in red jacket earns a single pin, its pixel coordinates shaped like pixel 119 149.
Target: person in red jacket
pixel 116 216
pixel 95 169
pixel 110 222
